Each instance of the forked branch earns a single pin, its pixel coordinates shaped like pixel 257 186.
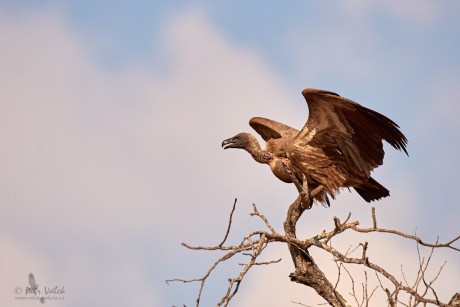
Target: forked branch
pixel 307 272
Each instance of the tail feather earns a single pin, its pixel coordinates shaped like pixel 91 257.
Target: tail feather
pixel 372 190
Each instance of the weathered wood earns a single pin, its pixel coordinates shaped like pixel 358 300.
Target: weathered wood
pixel 306 271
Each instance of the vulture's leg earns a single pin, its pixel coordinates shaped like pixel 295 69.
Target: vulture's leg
pixel 305 196
pixel 303 190
pixel 296 183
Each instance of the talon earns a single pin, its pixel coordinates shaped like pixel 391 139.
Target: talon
pixel 306 200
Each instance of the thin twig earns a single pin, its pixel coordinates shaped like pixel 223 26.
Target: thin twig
pixel 229 224
pixel 257 213
pixel 374 219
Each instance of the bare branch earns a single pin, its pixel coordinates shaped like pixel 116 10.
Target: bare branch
pixel 229 224
pixel 455 300
pixel 341 227
pixel 374 219
pixel 308 273
pixel 257 213
pixel 300 304
pixel 412 237
pixel 265 262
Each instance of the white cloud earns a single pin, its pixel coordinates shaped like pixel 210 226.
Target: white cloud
pixel 97 163
pixel 110 135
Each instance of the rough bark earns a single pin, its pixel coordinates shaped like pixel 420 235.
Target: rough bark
pixel 306 271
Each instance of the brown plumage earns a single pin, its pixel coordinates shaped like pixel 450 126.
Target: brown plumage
pixel 339 146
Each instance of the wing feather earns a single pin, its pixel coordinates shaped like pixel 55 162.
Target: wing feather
pixel 342 125
pixel 270 129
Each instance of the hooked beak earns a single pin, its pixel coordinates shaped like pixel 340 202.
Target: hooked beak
pixel 228 143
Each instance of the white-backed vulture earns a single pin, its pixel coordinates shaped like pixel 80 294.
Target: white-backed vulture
pixel 339 146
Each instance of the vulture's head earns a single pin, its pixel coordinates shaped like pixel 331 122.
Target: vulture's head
pixel 241 140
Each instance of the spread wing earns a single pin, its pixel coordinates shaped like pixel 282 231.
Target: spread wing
pixel 270 129
pixel 343 127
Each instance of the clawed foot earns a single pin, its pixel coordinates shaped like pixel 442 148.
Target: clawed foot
pixel 306 200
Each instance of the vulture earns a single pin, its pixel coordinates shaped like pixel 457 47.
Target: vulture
pixel 338 147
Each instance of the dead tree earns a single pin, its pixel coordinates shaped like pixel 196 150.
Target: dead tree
pixel 419 293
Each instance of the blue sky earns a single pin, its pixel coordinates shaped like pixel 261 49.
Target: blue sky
pixel 112 115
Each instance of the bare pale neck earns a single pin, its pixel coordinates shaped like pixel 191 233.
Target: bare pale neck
pixel 260 155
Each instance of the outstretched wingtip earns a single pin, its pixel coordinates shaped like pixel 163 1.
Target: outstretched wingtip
pixel 308 92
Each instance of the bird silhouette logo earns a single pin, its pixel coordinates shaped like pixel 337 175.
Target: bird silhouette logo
pixel 34 288
pixel 32 283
